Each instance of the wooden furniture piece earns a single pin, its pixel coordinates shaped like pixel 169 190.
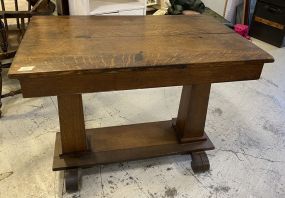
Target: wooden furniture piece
pixel 105 53
pixel 268 22
pixel 10 37
pixel 12 28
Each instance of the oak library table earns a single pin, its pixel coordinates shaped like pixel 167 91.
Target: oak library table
pixel 67 56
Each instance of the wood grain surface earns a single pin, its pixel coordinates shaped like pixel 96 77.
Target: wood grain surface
pixel 71 45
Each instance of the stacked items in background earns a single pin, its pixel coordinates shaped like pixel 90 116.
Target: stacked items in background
pixel 268 22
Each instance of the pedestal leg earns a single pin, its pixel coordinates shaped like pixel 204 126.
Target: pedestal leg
pixel 72 127
pixel 192 112
pixel 72 130
pixel 191 119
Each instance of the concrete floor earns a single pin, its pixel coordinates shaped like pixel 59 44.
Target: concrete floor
pixel 246 122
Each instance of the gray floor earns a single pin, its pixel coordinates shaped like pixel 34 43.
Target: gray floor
pixel 246 122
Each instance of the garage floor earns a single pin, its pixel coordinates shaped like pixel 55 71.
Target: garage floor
pixel 246 122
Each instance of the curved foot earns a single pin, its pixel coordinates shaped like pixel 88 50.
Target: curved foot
pixel 200 162
pixel 71 178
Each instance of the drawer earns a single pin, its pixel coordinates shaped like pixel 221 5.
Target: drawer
pixel 111 13
pixel 267 33
pixel 270 12
pixel 275 2
pixel 132 12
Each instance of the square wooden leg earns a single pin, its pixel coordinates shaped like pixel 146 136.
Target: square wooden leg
pixel 72 127
pixel 192 112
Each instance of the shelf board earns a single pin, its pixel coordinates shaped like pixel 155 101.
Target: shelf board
pixel 128 142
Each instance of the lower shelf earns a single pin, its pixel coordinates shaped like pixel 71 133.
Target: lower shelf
pixel 126 143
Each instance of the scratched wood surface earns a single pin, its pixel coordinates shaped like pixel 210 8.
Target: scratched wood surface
pixel 90 44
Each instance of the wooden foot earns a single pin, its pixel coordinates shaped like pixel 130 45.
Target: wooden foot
pixel 71 178
pixel 200 162
pixel 12 93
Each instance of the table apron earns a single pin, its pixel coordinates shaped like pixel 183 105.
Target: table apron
pixel 125 80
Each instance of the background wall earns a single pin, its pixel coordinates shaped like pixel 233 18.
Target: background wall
pixel 216 5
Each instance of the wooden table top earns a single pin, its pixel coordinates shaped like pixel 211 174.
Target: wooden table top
pixel 71 45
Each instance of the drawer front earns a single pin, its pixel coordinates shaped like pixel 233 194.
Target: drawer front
pixel 275 2
pixel 266 33
pixel 270 12
pixel 268 23
pixel 132 12
pixel 111 13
